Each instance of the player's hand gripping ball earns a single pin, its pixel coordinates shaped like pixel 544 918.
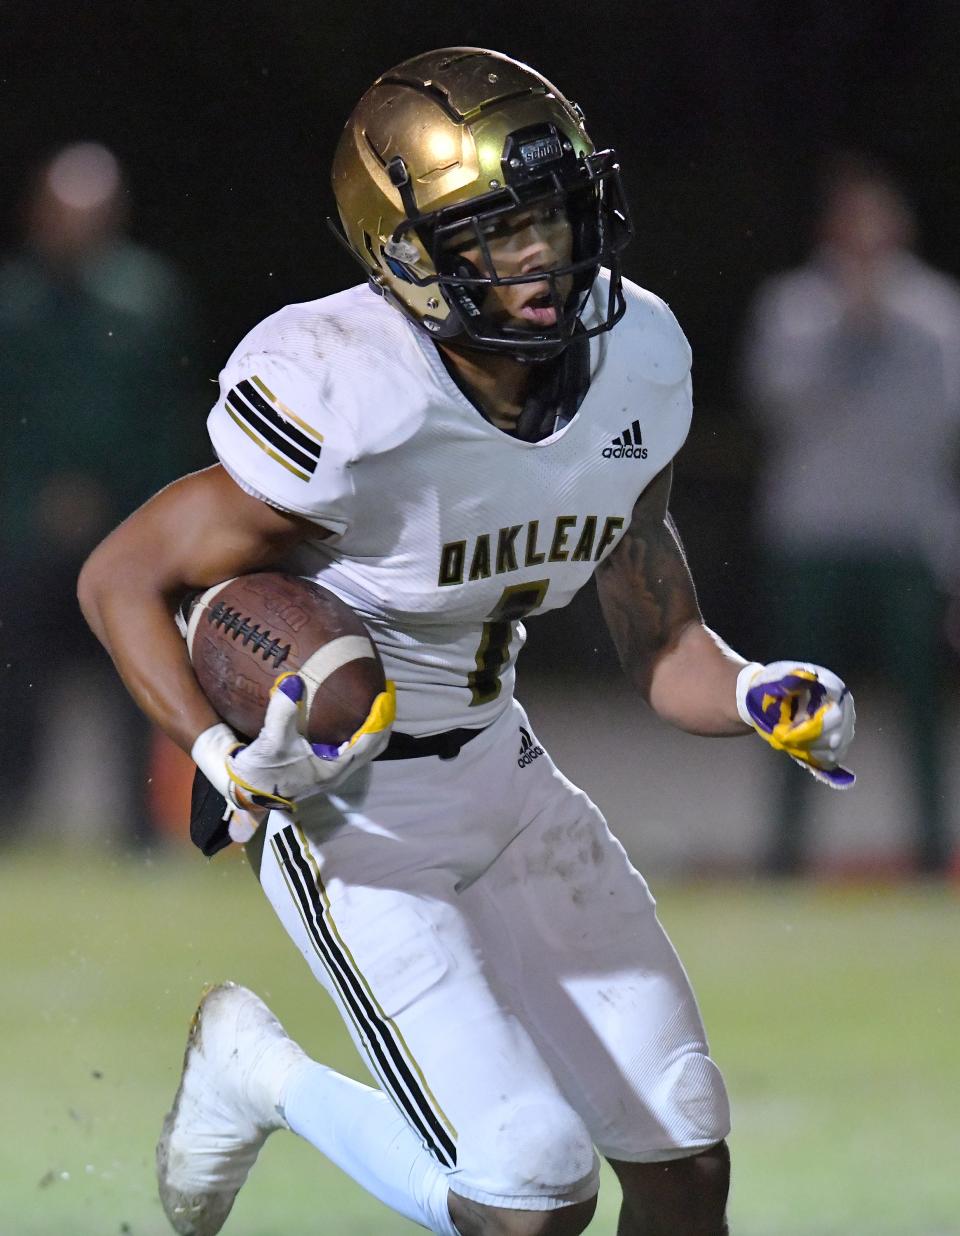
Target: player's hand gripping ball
pixel 245 633
pixel 803 710
pixel 289 665
pixel 281 767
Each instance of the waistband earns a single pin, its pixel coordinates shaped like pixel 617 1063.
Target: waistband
pixel 446 745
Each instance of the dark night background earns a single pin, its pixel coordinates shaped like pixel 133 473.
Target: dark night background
pixel 833 1002
pixel 225 117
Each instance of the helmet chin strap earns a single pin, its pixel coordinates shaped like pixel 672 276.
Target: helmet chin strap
pixel 460 297
pixel 568 312
pixel 520 358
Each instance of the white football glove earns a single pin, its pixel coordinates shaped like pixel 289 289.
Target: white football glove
pixel 803 710
pixel 281 767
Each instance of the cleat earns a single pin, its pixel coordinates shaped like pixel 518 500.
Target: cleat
pixel 237 1060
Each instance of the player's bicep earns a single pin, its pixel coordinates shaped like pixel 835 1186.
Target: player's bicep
pixel 225 531
pixel 201 529
pixel 645 587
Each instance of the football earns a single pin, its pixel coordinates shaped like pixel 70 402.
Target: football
pixel 245 632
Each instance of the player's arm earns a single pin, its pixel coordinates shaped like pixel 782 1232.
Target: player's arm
pixel 198 531
pixel 690 676
pixel 685 671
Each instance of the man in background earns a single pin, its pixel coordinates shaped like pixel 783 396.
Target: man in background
pixel 853 372
pixel 94 372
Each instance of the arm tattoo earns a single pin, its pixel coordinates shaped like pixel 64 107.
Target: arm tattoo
pixel 646 592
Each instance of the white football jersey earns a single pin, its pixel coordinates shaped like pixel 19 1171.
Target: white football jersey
pixel 447 531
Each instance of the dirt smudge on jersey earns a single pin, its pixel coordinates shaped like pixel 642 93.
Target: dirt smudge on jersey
pixel 329 334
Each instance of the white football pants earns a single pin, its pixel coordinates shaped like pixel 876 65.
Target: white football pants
pixel 500 966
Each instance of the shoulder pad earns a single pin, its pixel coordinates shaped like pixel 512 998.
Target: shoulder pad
pixel 276 436
pixel 658 347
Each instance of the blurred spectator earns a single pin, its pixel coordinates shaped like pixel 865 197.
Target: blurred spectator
pixel 853 371
pixel 92 365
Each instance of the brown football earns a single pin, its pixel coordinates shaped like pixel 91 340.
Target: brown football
pixel 243 633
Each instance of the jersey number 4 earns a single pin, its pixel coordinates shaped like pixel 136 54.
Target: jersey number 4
pixel 515 603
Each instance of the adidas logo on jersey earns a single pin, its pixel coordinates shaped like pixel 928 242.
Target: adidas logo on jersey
pixel 529 750
pixel 628 446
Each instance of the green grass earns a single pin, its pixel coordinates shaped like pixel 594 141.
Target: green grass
pixel 833 1013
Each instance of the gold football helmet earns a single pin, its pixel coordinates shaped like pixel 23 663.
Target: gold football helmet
pixel 451 144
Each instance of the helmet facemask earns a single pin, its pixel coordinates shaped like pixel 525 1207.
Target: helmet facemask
pixel 588 192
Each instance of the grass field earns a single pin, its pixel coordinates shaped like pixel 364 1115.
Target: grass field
pixel 834 1014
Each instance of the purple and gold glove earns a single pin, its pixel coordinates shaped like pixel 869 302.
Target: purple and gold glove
pixel 803 710
pixel 281 767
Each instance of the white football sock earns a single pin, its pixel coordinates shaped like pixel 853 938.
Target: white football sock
pixel 362 1132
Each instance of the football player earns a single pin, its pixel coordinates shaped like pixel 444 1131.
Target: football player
pixel 466 438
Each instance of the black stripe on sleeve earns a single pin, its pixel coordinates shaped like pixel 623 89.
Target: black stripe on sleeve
pixel 261 426
pixel 253 396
